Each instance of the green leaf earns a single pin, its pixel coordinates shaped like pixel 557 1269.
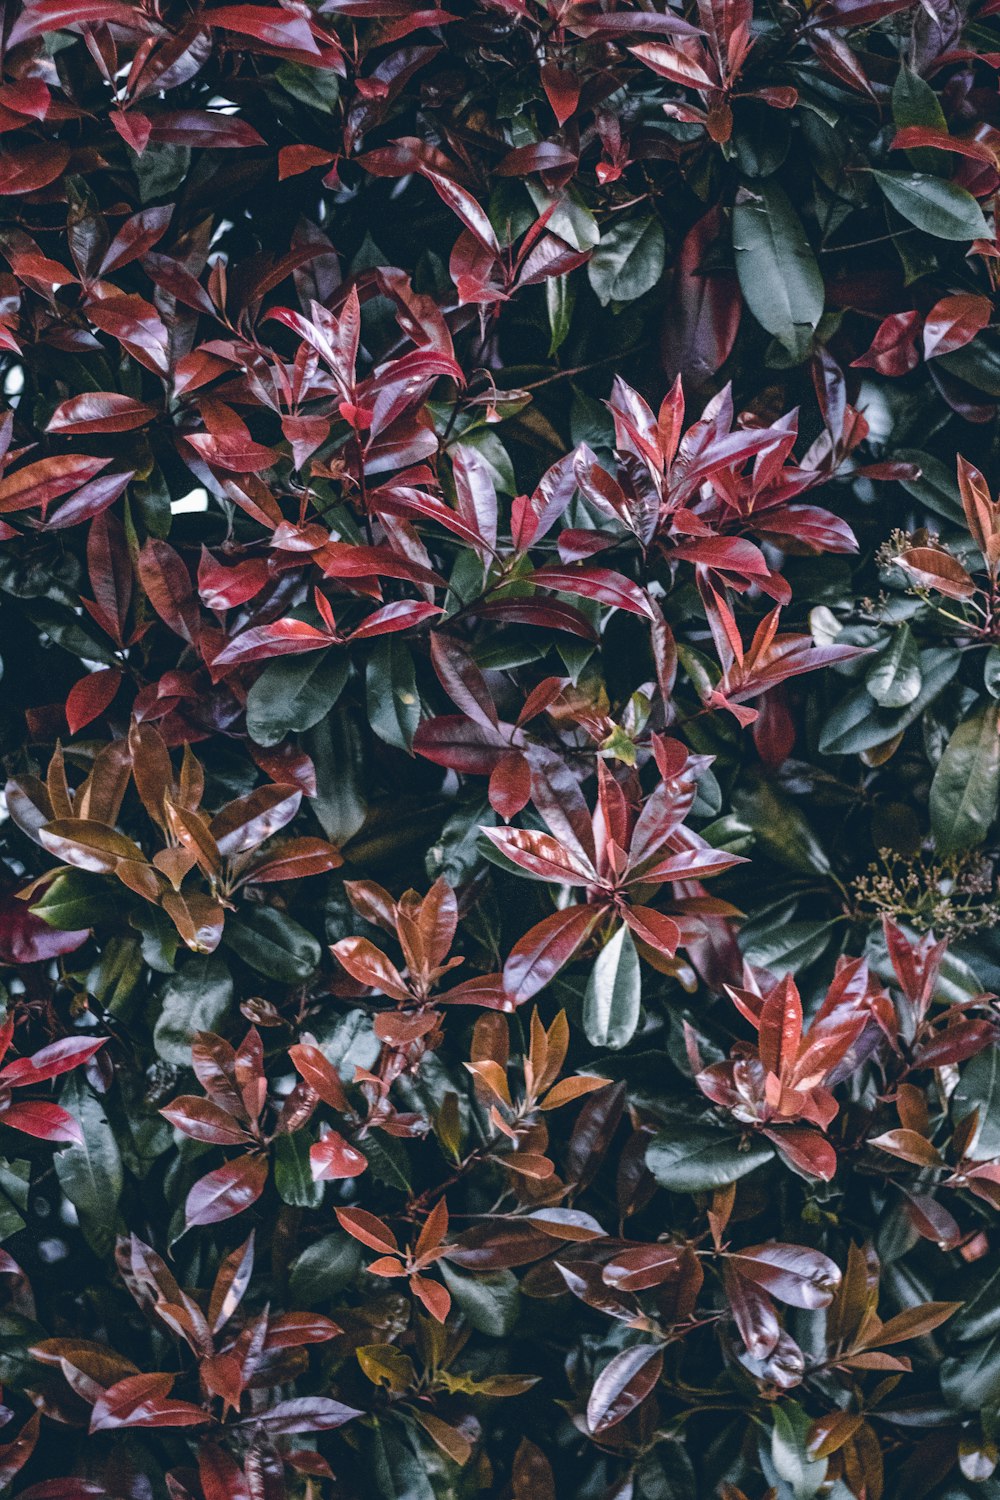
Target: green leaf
pixel 293 694
pixel 117 978
pixel 790 946
pixel 571 219
pixel 90 1173
pixel 388 1161
pixel 611 1004
pixel 15 1182
pixel 560 300
pixel 396 1471
pixel 319 88
pixel 489 1301
pixel 893 679
pixel 160 170
pixel 274 944
pixel 196 999
pixel 971 1380
pixel 979 1316
pixel 978 363
pixel 74 901
pixel 324 1269
pixel 72 632
pixel 690 1158
pixel 158 939
pixel 857 725
pixel 292 1175
pixel 777 269
pixel 965 792
pixel 779 827
pixel 991 672
pixel 337 751
pixel 629 260
pixel 979 1088
pixel 936 487
pixel 789 1453
pixel 940 208
pixel 348 1042
pixel 391 692
pixel 914 102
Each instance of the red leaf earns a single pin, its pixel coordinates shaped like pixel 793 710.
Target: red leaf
pixel 14 1455
pixel 332 1157
pixel 88 698
pixel 302 1414
pixel 369 1230
pixel 780 1027
pixel 204 1121
pixel 540 855
pixel 403 614
pixel 622 1384
pixel 562 90
pixel 462 680
pixel 435 1297
pixel 954 322
pixel 46 1122
pixel 643 1266
pixel 653 928
pixel 465 207
pixel 227 1191
pixel 52 1061
pixel 292 160
pixel 222 588
pixel 44 16
pixel 168 587
pixel 543 156
pixel 295 860
pixel 48 479
pixel 282 638
pixel 549 614
pixel 934 569
pixel 230 447
pixel 705 308
pixel 248 822
pixel 473 749
pixel 90 500
pixel 537 957
pixel 142 1401
pixel 277 28
pixel 136 236
pixel 134 127
pixel 510 785
pixel 369 965
pixel 917 137
pixel 100 411
pixel 893 350
pixel 806 1150
pixel 603 584
pixel 27 939
pixel 33 167
pixel 292 1330
pixel 137 326
pixel 795 1274
pixel 203 127
pixel 320 1074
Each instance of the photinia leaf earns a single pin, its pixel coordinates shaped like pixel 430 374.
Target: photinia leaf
pixel 622 1384
pixel 226 1191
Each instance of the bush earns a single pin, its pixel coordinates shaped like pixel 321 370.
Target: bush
pixel 500 625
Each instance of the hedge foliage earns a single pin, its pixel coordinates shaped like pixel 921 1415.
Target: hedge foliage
pixel 500 628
